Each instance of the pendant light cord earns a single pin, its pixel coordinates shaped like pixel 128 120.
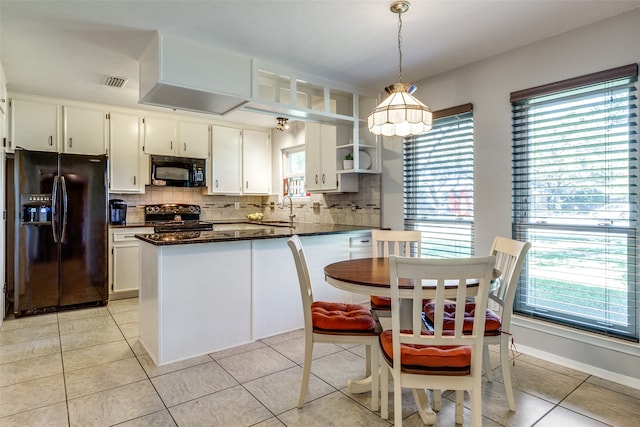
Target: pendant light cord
pixel 400 47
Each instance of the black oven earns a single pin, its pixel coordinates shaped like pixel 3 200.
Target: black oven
pixel 177 171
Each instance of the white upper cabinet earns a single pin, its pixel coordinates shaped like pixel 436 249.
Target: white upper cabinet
pixel 35 125
pixel 124 154
pixel 256 162
pixel 85 131
pixel 320 157
pixel 160 136
pixel 170 137
pixel 193 139
pixel 224 174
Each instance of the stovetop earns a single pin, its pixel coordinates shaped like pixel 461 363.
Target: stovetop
pixel 175 217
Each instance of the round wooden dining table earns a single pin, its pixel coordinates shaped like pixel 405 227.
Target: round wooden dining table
pixel 370 276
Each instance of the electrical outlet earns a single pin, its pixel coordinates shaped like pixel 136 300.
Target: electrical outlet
pixel 236 205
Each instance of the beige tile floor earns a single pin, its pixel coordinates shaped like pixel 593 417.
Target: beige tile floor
pixel 87 368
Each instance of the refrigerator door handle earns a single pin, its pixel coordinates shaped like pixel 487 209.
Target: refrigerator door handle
pixel 54 210
pixel 64 209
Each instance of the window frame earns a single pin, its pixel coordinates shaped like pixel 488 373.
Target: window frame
pixel 531 223
pixel 434 215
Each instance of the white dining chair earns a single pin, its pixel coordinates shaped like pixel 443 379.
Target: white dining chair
pixel 338 323
pixel 510 255
pixel 421 359
pixel 393 242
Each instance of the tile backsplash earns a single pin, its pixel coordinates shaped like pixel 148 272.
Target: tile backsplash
pixel 362 208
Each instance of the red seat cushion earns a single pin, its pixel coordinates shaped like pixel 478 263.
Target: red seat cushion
pixel 380 303
pixel 439 360
pixel 336 316
pixel 491 326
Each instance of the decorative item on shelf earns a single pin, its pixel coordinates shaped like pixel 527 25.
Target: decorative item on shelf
pixel 400 114
pixel 282 123
pixel 365 160
pixel 347 163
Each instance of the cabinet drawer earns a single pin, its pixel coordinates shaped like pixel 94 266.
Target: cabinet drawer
pixel 128 235
pixel 360 242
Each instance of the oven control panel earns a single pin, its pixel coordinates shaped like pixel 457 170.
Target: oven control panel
pixel 172 209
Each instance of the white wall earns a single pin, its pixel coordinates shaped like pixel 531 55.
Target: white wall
pixel 487 84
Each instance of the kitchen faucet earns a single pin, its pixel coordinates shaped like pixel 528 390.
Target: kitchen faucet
pixel 291 214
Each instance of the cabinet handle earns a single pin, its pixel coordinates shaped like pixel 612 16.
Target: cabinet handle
pixel 171 144
pixel 70 142
pixel 246 185
pixel 323 178
pixel 316 178
pixel 51 140
pixel 216 183
pixel 134 180
pixel 184 145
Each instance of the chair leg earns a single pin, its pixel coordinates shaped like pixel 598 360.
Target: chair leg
pixel 437 399
pixel 397 402
pixel 506 373
pixel 424 407
pixel 476 404
pixel 306 371
pixel 375 375
pixel 384 390
pixel 368 361
pixel 487 363
pixel 459 406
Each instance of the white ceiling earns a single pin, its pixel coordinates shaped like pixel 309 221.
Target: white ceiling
pixel 64 48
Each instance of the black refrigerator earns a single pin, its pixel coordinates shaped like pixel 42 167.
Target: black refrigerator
pixel 60 231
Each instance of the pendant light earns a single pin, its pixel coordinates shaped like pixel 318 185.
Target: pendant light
pixel 400 114
pixel 282 123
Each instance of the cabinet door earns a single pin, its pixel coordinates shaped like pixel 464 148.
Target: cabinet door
pixel 85 131
pixel 193 139
pixel 226 161
pixel 320 157
pixel 124 154
pixel 160 136
pixel 328 175
pixel 256 162
pixel 126 267
pixel 34 125
pixel 312 158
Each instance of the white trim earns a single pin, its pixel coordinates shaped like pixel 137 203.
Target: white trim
pixel 582 337
pixel 582 367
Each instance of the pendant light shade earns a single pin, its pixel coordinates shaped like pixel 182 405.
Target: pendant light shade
pixel 400 114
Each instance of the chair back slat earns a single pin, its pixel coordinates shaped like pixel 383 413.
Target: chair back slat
pixel 396 242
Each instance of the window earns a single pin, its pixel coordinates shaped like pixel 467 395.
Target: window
pixel 293 171
pixel 438 184
pixel 575 183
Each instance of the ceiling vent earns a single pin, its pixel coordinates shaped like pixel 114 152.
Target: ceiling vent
pixel 113 81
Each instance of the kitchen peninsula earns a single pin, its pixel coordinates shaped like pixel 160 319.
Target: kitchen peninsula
pixel 204 291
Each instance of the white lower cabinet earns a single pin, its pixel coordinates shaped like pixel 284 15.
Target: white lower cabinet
pixel 124 262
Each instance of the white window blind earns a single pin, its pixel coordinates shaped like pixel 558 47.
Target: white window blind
pixel 438 184
pixel 575 198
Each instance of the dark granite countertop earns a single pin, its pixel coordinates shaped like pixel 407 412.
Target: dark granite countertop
pixel 227 235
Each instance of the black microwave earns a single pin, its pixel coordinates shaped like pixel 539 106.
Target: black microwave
pixel 177 171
